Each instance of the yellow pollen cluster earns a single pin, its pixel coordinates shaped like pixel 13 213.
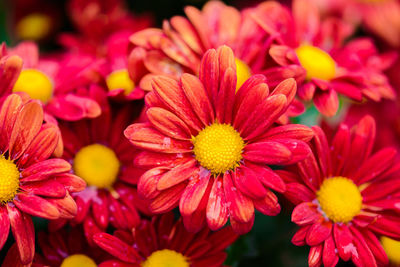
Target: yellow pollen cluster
pixel 97 165
pixel 392 249
pixel 9 180
pixel 243 73
pixel 35 83
pixel 165 258
pixel 78 260
pixel 317 62
pixel 120 79
pixel 33 27
pixel 340 199
pixel 218 148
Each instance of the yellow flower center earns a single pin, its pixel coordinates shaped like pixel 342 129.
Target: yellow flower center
pixel 392 249
pixel 165 258
pixel 120 79
pixel 97 165
pixel 35 83
pixel 340 199
pixel 33 27
pixel 218 148
pixel 9 180
pixel 78 260
pixel 318 63
pixel 243 73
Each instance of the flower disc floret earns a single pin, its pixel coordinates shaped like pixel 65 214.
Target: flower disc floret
pixel 36 84
pixel 97 164
pixel 120 79
pixel 9 180
pixel 340 199
pixel 392 249
pixel 318 63
pixel 218 148
pixel 78 260
pixel 165 258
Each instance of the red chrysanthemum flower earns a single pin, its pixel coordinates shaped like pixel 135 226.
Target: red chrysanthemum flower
pixel 55 82
pixel 66 247
pixel 178 47
pixel 315 53
pixel 165 242
pixel 208 146
pixel 101 155
pixel 346 197
pixel 31 184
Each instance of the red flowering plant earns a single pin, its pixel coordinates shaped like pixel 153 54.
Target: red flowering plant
pixel 316 53
pixel 345 197
pixel 208 147
pixel 179 46
pixel 31 183
pixel 66 247
pixel 101 155
pixel 53 81
pixel 163 241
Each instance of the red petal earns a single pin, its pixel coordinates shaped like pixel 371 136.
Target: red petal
pixel 24 233
pixel 315 256
pixel 268 152
pixel 262 116
pixel 242 228
pixel 246 180
pixel 268 177
pixel 288 88
pixel 42 170
pixel 36 206
pixel 167 199
pixel 4 226
pixel 318 233
pixel 299 238
pixel 226 96
pixel 178 174
pixel 326 102
pixel 66 206
pixel 116 247
pixel 305 213
pixel 49 188
pixel 26 127
pixel 42 146
pixel 172 95
pixel 329 257
pixel 147 185
pixel 217 211
pixel 344 241
pixel 241 207
pixel 8 115
pixel 198 98
pixel 168 124
pixel 268 205
pixel 194 192
pixel 145 137
pixel 291 131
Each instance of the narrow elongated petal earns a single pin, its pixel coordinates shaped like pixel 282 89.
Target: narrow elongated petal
pixel 36 206
pixel 44 169
pixel 24 233
pixel 194 192
pixel 116 247
pixel 318 233
pixel 217 211
pixel 167 123
pixel 241 207
pixel 26 126
pixel 4 226
pixel 305 213
pixel 177 175
pixel 148 138
pixel 268 152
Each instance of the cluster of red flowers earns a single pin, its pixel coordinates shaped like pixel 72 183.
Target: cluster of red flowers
pixel 107 137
